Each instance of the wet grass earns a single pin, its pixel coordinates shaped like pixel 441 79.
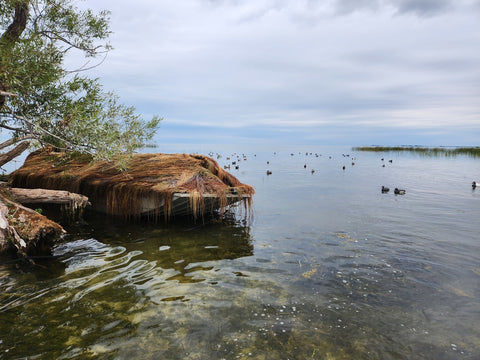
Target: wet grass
pixel 425 151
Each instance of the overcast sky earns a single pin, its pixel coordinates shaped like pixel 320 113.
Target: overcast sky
pixel 353 72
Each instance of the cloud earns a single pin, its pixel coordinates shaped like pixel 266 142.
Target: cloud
pixel 278 64
pixel 254 10
pixel 422 8
pixel 348 6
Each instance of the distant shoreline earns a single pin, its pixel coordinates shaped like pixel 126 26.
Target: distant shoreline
pixel 423 150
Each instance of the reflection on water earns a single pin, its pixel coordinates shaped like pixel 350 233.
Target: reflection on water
pixel 329 268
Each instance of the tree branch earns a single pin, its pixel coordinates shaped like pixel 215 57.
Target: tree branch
pixel 13 141
pixel 56 36
pixel 14 129
pixel 12 154
pixel 5 93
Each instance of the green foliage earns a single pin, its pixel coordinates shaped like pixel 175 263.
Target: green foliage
pixel 54 105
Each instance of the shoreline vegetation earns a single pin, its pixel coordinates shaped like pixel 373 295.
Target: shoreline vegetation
pixel 425 151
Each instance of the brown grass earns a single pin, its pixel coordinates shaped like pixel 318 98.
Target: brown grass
pixel 156 176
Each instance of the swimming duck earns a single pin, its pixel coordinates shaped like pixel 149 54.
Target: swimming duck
pixel 269 172
pixel 399 191
pixel 385 189
pixel 475 184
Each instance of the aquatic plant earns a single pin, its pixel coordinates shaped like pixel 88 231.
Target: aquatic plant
pixel 426 151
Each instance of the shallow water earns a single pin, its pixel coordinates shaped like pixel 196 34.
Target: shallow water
pixel 327 268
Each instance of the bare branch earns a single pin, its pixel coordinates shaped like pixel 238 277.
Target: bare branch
pixel 14 129
pixel 15 152
pixel 85 68
pixel 13 141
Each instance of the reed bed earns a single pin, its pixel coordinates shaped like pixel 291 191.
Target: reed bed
pixel 426 151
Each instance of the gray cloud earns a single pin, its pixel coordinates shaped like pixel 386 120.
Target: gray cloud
pixel 422 8
pixel 317 8
pixel 349 6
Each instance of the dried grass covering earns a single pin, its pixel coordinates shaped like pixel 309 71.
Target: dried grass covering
pixel 149 176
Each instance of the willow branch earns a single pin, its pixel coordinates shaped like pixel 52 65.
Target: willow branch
pixel 84 68
pixel 56 36
pixel 46 132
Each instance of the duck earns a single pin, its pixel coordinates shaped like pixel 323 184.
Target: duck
pixel 269 172
pixel 399 191
pixel 475 184
pixel 385 189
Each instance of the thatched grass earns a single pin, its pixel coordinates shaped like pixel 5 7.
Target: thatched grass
pixel 426 151
pixel 152 177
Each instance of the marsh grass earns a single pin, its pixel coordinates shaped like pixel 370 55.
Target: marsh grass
pixel 425 151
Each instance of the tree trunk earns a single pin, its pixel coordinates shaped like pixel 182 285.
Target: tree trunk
pixel 23 230
pixel 12 154
pixel 12 35
pixel 44 196
pixel 19 23
pixel 8 235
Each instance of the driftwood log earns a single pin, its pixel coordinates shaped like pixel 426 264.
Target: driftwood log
pixel 25 231
pixel 44 196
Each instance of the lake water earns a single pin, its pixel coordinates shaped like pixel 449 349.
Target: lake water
pixel 327 267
